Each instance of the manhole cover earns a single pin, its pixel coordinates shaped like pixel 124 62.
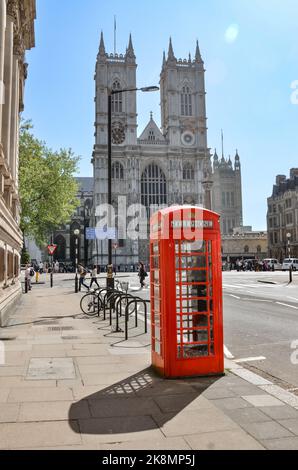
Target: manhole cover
pixel 60 328
pixel 51 368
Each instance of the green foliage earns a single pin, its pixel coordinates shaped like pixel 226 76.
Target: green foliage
pixel 25 257
pixel 48 187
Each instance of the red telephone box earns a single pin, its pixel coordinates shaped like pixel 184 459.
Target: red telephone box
pixel 186 292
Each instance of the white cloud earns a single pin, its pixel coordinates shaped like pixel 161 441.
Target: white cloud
pixel 231 33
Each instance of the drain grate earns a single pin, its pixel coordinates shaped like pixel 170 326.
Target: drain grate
pixel 48 322
pixel 60 328
pixel 70 337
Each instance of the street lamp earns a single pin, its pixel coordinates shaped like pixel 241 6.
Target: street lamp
pixel 110 279
pixel 76 234
pixel 289 256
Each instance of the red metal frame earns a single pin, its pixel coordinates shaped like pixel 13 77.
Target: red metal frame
pixel 186 294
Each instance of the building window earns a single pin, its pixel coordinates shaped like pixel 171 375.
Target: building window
pixel 228 200
pixel 188 172
pixel 259 249
pixel 288 203
pixel 117 171
pixel 117 98
pixel 289 218
pixel 223 199
pixel 232 199
pixel 224 223
pixel 186 102
pixel 153 186
pixel 151 135
pixel 246 249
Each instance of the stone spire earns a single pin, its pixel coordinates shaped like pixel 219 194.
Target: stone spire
pixel 130 54
pixel 215 159
pixel 237 161
pixel 102 49
pixel 198 57
pixel 163 59
pixel 171 56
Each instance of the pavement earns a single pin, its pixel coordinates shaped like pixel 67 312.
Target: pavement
pixel 71 382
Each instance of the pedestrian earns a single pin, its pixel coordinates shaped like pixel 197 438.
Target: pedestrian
pixel 94 276
pixel 57 267
pixel 28 276
pixel 83 273
pixel 40 267
pixel 142 274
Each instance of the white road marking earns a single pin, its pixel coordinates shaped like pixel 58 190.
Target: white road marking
pixel 227 353
pixel 235 296
pixel 249 359
pixel 287 305
pixel 294 298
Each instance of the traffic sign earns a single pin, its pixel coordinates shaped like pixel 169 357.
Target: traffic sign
pixel 105 233
pixel 52 249
pixel 90 233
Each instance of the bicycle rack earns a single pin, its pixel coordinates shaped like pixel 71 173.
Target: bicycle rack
pixel 136 300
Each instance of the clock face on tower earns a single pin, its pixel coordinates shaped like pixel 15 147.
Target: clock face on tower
pixel 187 138
pixel 118 133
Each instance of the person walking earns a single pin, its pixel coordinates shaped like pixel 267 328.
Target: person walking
pixel 83 273
pixel 142 274
pixel 28 276
pixel 94 276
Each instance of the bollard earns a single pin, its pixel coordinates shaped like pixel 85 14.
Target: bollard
pixel 36 277
pixel 26 286
pixel 52 278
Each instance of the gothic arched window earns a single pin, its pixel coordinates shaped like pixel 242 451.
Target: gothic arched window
pixel 188 172
pixel 151 135
pixel 246 249
pixel 117 98
pixel 186 102
pixel 153 186
pixel 117 171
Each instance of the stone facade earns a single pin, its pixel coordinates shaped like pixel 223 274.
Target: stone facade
pixel 244 243
pixel 16 36
pixel 227 192
pixel 64 237
pixel 282 217
pixel 161 167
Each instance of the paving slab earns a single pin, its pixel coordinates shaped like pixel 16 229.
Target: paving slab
pixel 266 430
pixel 51 368
pixel 194 422
pixel 20 395
pixel 219 392
pixel 231 403
pixel 33 435
pixel 290 424
pixel 223 440
pixel 9 412
pixel 52 411
pixel 263 400
pixel 284 443
pixel 120 429
pixel 120 406
pixel 4 392
pixel 280 412
pixel 247 415
pixel 163 443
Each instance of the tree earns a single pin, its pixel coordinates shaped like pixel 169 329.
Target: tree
pixel 47 186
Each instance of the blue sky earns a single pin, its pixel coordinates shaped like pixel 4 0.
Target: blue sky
pixel 250 49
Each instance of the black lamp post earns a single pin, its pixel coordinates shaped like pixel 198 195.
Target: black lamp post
pixel 76 234
pixel 110 279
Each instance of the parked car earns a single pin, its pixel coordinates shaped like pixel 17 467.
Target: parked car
pixel 273 263
pixel 290 262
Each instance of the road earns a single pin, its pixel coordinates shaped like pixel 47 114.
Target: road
pixel 260 319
